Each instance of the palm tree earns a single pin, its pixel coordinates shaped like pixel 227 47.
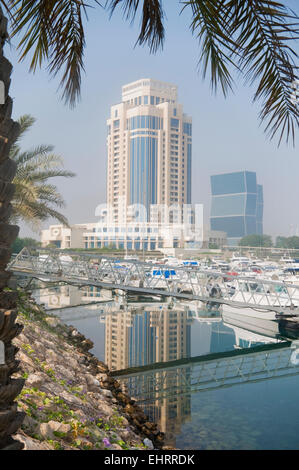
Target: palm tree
pixel 251 37
pixel 35 199
pixel 10 418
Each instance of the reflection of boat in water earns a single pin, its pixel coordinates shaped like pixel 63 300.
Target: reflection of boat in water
pixel 265 330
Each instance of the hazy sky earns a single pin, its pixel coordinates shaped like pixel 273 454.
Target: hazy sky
pixel 227 135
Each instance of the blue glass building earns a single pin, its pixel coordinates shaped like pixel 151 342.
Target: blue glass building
pixel 237 205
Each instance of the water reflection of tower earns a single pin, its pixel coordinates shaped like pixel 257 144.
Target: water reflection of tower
pixel 129 340
pixel 142 340
pixel 117 326
pixel 173 342
pixel 137 339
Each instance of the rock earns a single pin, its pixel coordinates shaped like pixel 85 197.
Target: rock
pixel 86 344
pixel 151 426
pixel 51 356
pixel 91 380
pixel 123 398
pixel 106 393
pixel 53 321
pixel 62 371
pixel 100 377
pixel 108 381
pixel 38 346
pixel 85 386
pixel 70 398
pixel 71 361
pixel 129 409
pixel 139 417
pixel 85 443
pixel 102 367
pixel 115 447
pixel 105 409
pixel 24 358
pixel 160 437
pixel 47 430
pixel 125 434
pixel 125 422
pixel 36 380
pixel 148 443
pixel 117 384
pixel 32 444
pixel 30 424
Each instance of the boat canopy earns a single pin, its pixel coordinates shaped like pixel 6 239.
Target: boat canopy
pixel 167 273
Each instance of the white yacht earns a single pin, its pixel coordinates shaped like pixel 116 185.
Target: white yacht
pixel 260 295
pixel 240 259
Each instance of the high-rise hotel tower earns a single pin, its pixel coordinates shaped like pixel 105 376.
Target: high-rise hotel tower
pixel 149 148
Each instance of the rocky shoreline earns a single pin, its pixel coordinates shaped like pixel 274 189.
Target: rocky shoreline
pixel 69 397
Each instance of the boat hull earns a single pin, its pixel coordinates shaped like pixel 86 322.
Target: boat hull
pixel 249 312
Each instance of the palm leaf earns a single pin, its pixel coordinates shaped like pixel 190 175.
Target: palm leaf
pixel 54 32
pixel 152 29
pixel 252 36
pixel 265 29
pixel 35 199
pixel 211 26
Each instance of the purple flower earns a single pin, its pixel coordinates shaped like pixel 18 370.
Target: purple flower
pixel 106 442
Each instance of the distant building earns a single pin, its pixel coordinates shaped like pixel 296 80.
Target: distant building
pixel 136 236
pixel 149 148
pixel 149 169
pixel 237 205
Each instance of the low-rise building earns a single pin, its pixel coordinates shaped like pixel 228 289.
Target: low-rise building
pixel 134 236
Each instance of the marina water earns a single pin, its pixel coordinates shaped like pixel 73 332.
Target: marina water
pixel 210 384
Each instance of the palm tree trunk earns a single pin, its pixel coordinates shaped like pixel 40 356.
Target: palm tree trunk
pixel 10 418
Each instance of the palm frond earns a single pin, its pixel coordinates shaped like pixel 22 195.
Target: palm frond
pixel 25 123
pixel 5 4
pixel 253 37
pixel 49 193
pixel 24 189
pixel 152 29
pixel 54 32
pixel 211 26
pixel 33 156
pixel 45 175
pixel 35 199
pixel 265 29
